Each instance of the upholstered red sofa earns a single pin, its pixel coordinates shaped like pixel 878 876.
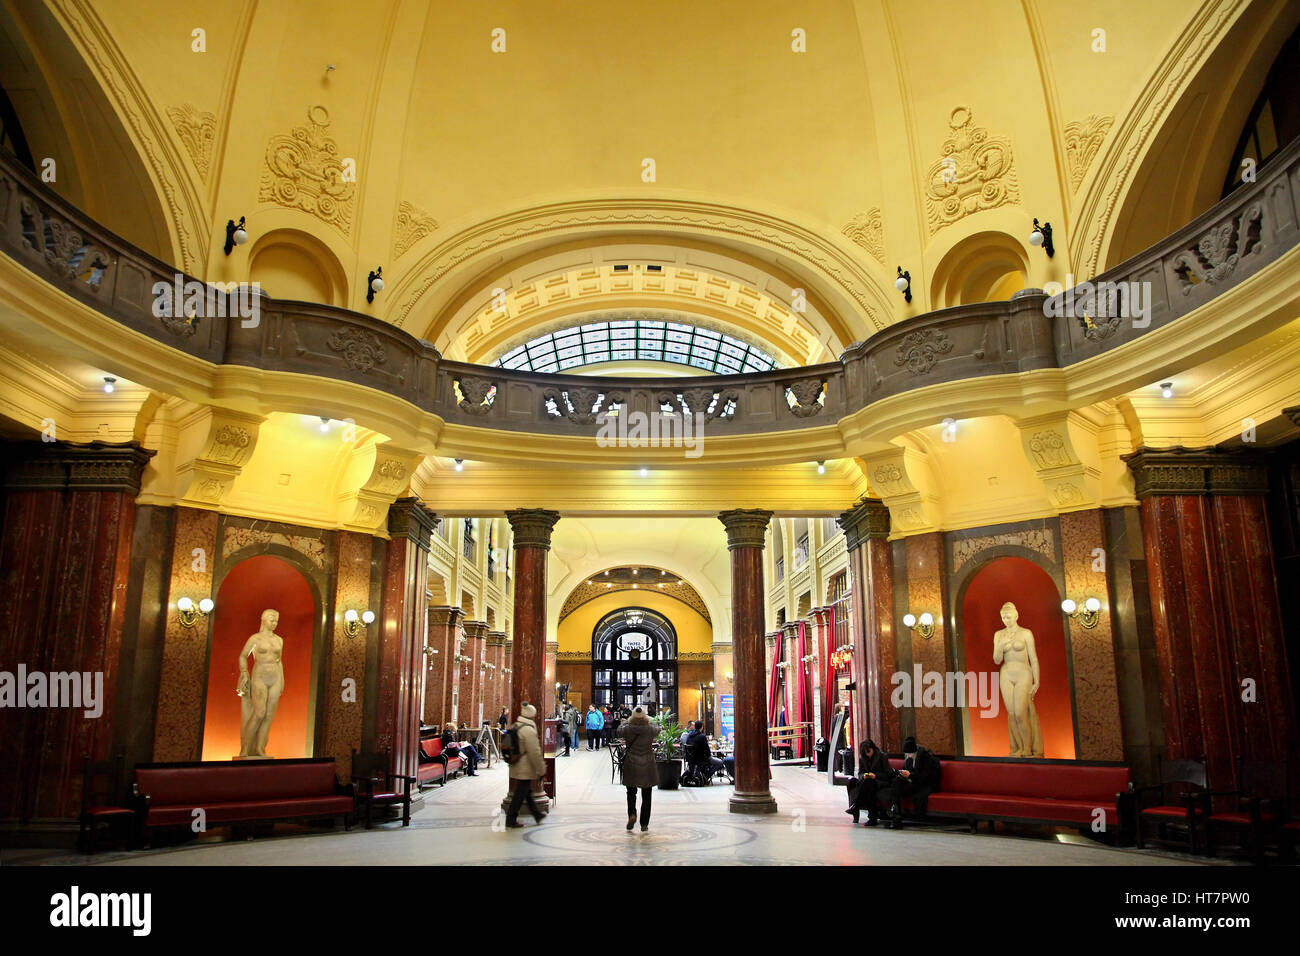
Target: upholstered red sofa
pixel 1051 792
pixel 436 766
pixel 240 791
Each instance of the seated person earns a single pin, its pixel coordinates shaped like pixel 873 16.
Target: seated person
pixel 917 780
pixel 453 748
pixel 875 776
pixel 698 751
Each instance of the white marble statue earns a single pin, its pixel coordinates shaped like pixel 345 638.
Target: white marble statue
pixel 1013 651
pixel 260 692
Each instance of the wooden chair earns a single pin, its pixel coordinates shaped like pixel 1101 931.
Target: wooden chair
pixel 100 780
pixel 1261 802
pixel 1181 785
pixel 379 786
pixel 617 751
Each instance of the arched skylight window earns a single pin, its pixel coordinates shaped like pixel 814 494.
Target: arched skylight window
pixel 638 340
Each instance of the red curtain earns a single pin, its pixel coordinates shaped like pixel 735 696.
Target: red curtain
pixel 773 701
pixel 828 674
pixel 804 706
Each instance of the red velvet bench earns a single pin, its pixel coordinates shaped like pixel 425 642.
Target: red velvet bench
pixel 438 766
pixel 1047 792
pixel 240 791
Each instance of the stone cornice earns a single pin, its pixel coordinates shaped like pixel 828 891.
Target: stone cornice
pixel 445 616
pixel 476 630
pixel 1197 471
pixel 409 518
pixel 869 518
pixel 746 527
pixel 532 527
pixel 96 466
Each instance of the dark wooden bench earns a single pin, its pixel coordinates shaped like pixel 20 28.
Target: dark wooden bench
pixel 240 791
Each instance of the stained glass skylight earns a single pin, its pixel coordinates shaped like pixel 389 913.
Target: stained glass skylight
pixel 638 340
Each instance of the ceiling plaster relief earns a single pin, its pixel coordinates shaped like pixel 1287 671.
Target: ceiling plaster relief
pixel 303 171
pixel 973 173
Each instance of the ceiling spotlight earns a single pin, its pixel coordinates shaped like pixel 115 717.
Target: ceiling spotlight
pixel 375 283
pixel 1167 389
pixel 236 235
pixel 1042 236
pixel 645 472
pixel 904 284
pixel 636 570
pixel 460 464
pixel 324 426
pixel 329 68
pixel 821 467
pixel 109 384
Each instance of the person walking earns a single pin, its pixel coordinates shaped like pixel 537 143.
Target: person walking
pixel 595 724
pixel 571 721
pixel 639 769
pixel 526 765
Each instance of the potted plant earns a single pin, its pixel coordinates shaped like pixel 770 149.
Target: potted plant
pixel 668 750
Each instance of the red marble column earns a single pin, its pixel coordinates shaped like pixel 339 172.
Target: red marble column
pixel 403 625
pixel 1214 608
pixel 818 643
pixel 65 556
pixel 444 634
pixel 494 698
pixel 532 542
pixel 472 674
pixel 871 585
pixel 745 535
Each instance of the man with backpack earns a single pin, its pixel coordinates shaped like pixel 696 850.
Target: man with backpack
pixel 521 747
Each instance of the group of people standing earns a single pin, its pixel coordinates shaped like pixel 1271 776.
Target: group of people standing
pixel 601 723
pixel 877 785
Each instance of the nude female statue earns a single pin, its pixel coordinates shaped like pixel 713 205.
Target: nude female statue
pixel 261 691
pixel 1013 651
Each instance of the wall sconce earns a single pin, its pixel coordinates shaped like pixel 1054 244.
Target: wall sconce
pixel 729 677
pixel 110 384
pixel 485 666
pixel 1088 616
pixel 842 656
pixel 821 467
pixel 782 665
pixel 904 284
pixel 429 651
pixel 1166 389
pixel 236 235
pixel 1042 236
pixel 352 621
pixel 808 659
pixel 190 613
pixel 374 283
pixel 505 671
pixel 924 625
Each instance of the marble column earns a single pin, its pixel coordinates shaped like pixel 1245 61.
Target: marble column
pixel 819 643
pixel 403 630
pixel 444 635
pixel 1224 685
pixel 66 543
pixel 871 622
pixel 532 543
pixel 472 674
pixel 493 699
pixel 745 535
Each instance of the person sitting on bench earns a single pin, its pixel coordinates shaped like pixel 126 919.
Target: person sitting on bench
pixel 873 781
pixel 451 747
pixel 917 780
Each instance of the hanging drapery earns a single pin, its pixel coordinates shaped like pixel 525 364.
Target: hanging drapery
pixel 829 694
pixel 774 701
pixel 804 700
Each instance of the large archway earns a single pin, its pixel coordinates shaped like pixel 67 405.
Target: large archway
pixel 634 657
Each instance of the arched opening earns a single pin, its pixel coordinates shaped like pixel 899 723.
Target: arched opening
pixel 986 267
pixel 634 659
pixel 289 264
pixel 252 586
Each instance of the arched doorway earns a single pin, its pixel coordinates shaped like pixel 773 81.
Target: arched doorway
pixel 631 649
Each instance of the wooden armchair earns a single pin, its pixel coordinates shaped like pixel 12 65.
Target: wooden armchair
pixel 1182 783
pixel 100 803
pixel 617 751
pixel 379 786
pixel 1260 804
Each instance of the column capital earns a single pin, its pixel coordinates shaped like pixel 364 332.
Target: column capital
pixel 445 616
pixel 1293 413
pixel 869 518
pixel 1197 471
pixel 409 518
pixel 746 527
pixel 476 629
pixel 532 527
pixel 95 466
pixel 496 638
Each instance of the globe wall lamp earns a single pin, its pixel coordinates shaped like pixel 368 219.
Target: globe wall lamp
pixel 190 612
pixel 353 622
pixel 729 677
pixel 236 234
pixel 1042 236
pixel 374 283
pixel 904 284
pixel 923 625
pixel 429 651
pixel 1088 615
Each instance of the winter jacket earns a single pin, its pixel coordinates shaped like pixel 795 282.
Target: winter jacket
pixel 595 720
pixel 571 721
pixel 639 768
pixel 529 765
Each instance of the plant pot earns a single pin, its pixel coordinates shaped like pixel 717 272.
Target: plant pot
pixel 670 773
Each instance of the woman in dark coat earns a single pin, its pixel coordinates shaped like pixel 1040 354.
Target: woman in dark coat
pixel 864 791
pixel 639 770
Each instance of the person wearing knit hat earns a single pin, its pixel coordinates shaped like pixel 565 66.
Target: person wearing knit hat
pixel 918 778
pixel 526 765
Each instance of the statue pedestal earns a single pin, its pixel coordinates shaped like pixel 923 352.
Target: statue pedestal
pixel 242 757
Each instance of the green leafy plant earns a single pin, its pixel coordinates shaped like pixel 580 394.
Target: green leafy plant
pixel 668 742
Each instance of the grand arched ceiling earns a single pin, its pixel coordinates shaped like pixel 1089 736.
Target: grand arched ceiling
pixel 799 154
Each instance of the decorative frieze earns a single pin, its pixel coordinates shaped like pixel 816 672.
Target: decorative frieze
pixel 867 229
pixel 1083 139
pixel 1197 471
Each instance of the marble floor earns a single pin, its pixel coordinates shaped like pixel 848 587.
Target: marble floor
pixel 461 824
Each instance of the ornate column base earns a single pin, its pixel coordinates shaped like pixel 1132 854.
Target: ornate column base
pixel 752 803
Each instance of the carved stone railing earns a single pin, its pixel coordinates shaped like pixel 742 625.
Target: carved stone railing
pixel 1222 248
